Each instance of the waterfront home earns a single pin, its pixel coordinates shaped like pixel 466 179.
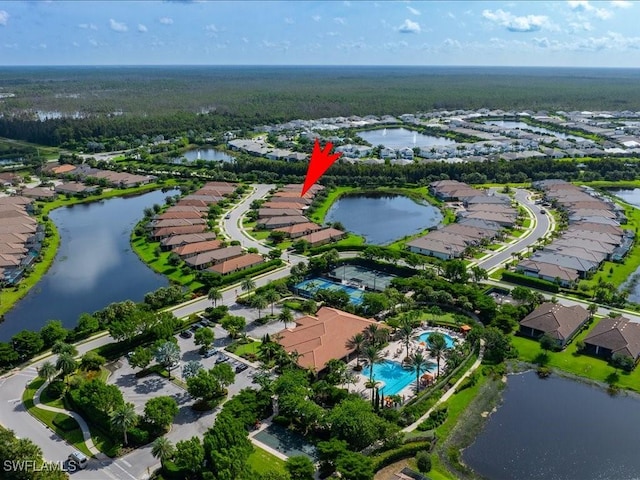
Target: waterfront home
pixel 191 249
pixel 321 337
pixel 435 248
pixel 322 237
pixel 555 320
pixel 165 232
pixel 178 240
pixel 278 212
pixel 206 259
pixel 236 264
pixel 39 193
pixel 282 221
pixel 170 214
pixel 611 336
pixel 299 230
pixel 177 222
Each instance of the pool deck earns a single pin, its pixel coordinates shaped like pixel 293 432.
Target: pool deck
pixel 395 352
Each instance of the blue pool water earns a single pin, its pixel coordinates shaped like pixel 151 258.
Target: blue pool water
pixel 447 339
pixel 310 287
pixel 394 376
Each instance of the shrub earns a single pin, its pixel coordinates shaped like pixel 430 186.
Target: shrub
pixel 436 418
pixel 137 436
pixel 423 461
pixel 405 451
pixel 521 279
pixel 64 423
pixel 56 389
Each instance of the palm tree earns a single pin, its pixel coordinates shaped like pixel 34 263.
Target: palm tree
pixel 437 345
pixel 214 295
pixel 272 297
pixel 61 347
pixel 168 355
pixel 268 350
pixel 259 302
pixel 285 316
pixel 406 332
pixel 47 371
pixel 356 343
pixel 162 449
pixel 247 284
pixel 371 356
pixel 371 333
pixel 419 365
pixel 123 418
pixel 66 364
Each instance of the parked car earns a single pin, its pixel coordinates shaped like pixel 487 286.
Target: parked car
pixel 206 323
pixel 210 353
pixel 241 367
pixel 186 334
pixel 227 216
pixel 78 459
pixel 222 358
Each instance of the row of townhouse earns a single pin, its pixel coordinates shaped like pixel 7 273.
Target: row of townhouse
pixel 481 219
pixel 84 171
pixel 593 236
pixel 284 212
pixel 183 230
pixel 260 148
pixel 21 238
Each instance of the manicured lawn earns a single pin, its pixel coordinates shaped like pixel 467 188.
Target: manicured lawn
pixel 262 461
pixel 570 361
pixel 351 240
pixel 247 348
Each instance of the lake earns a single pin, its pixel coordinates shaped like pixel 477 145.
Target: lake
pixel 94 266
pixel 558 429
pixel 207 154
pixel 631 196
pixel 525 126
pixel 383 218
pixel 401 137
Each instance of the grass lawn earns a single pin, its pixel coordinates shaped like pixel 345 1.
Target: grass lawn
pixel 526 223
pixel 247 348
pixel 570 361
pixel 351 240
pixel 146 251
pixel 71 433
pixel 262 461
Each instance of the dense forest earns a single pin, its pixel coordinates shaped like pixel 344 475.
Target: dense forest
pixel 65 105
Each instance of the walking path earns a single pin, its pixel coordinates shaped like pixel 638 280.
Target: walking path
pixel 449 392
pixel 83 425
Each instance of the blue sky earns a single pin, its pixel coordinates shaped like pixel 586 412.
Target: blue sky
pixel 516 33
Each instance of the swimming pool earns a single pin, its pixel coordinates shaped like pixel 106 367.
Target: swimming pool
pixel 309 287
pixel 394 376
pixel 448 340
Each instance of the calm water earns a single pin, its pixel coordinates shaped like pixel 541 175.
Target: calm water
pixel 381 219
pixel 631 196
pixel 207 154
pixel 401 137
pixel 94 265
pixel 526 126
pixel 558 429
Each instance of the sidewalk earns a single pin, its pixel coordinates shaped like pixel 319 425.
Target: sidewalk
pixel 449 392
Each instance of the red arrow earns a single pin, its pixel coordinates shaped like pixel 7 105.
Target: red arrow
pixel 320 161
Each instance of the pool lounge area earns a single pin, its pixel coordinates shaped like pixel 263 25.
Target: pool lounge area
pixel 448 339
pixel 394 377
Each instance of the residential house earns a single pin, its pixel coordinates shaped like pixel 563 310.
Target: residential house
pixel 324 236
pixel 555 320
pixel 165 232
pixel 74 188
pixel 191 249
pixel 178 240
pixel 206 259
pixel 236 264
pixel 39 193
pixel 282 221
pixel 435 248
pixel 299 230
pixel 550 272
pixel 617 335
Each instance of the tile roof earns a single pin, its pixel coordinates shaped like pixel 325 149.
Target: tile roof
pixel 619 334
pixel 556 320
pixel 237 263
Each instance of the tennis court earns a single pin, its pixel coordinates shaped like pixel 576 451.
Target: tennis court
pixel 308 288
pixel 358 276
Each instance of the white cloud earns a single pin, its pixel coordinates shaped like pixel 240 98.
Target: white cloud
pixel 316 18
pixel 395 45
pixel 621 4
pixel 142 28
pixel 340 20
pixel 75 44
pixel 211 28
pixel 4 17
pixel 332 34
pixel 245 40
pixel 409 27
pixel 513 23
pixel 289 21
pixel 166 20
pixel 88 26
pixel 413 10
pixel 93 42
pixel 585 6
pixel 450 43
pixel 117 26
pixel 580 26
pixel 276 45
pixel 542 42
pixel 42 45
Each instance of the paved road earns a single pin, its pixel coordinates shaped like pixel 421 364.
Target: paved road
pixel 541 228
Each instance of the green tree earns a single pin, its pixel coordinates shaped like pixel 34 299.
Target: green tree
pixel 356 343
pixel 371 356
pixel 354 421
pixel 123 418
pixel 419 365
pixel 189 455
pixel 91 361
pixel 479 273
pixel 52 332
pixel 406 333
pixel 168 355
pixel 437 346
pixel 27 343
pixel 354 466
pixel 300 467
pixel 160 412
pixel 61 347
pixel 497 345
pixel 285 316
pixel 162 449
pixel 47 371
pixel 214 295
pixel 335 372
pixel 204 337
pixel 234 324
pixel 227 446
pixel 191 368
pixel 141 357
pixel 456 271
pixel 66 364
pixel 548 343
pixel 423 461
pixel 247 284
pixel 328 454
pixel 259 302
pixel 271 296
pixel 8 356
